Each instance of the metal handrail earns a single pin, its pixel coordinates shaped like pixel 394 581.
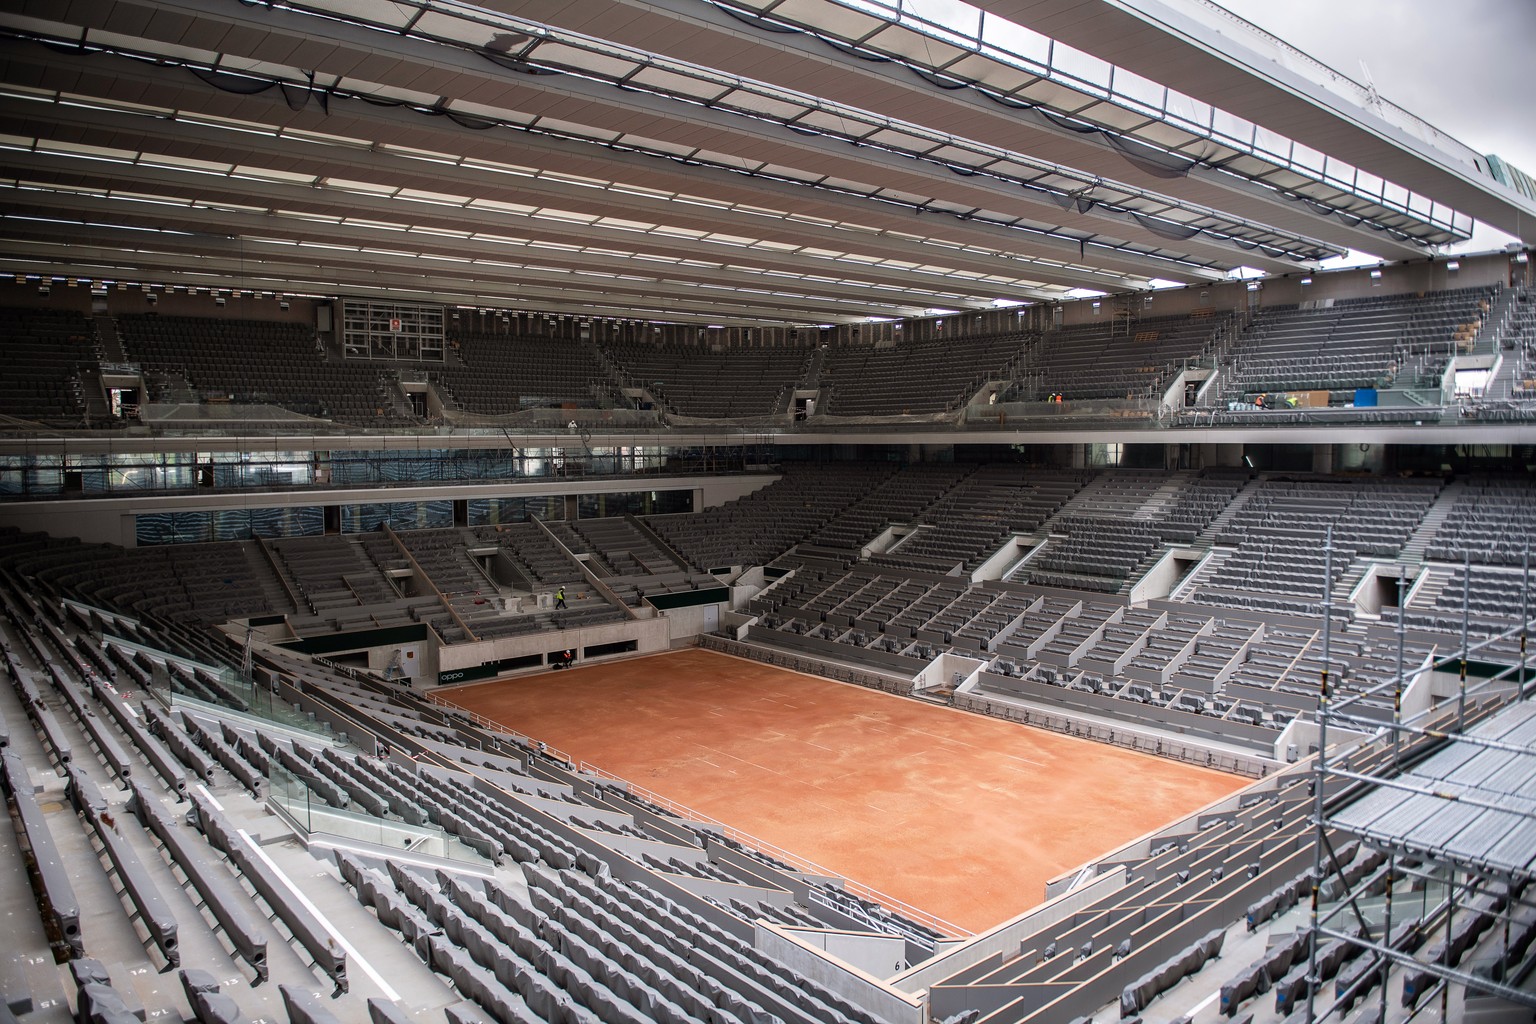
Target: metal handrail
pixel 493 726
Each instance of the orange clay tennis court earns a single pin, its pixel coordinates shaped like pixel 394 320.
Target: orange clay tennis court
pixel 962 816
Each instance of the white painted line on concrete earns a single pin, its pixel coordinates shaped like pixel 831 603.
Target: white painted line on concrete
pixel 1207 1001
pixel 211 798
pixel 325 922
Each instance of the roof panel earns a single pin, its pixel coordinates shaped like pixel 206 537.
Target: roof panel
pixel 907 43
pixel 583 58
pixel 981 249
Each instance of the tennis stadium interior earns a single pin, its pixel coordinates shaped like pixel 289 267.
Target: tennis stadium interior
pixel 998 358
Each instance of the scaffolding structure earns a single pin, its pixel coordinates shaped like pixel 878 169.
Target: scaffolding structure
pixel 1448 797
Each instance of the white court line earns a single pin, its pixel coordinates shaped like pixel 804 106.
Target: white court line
pixel 336 936
pixel 742 760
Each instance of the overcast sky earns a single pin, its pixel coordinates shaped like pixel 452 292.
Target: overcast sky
pixel 1462 65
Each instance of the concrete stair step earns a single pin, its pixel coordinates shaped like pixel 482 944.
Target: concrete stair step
pixel 1423 535
pixel 1218 526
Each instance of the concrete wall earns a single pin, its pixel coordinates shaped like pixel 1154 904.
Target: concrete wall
pixel 1008 938
pixel 684 623
pixel 942 669
pixel 1162 577
pixel 416 662
pixel 792 948
pixel 874 955
pixel 1000 561
pixel 650 635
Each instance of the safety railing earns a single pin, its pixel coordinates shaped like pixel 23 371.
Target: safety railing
pixel 313 816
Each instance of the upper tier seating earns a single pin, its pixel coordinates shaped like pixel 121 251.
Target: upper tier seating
pixel 1380 341
pixel 1520 345
pixel 44 350
pixel 913 377
pixel 262 361
pixel 1111 361
pixel 505 373
pixel 696 381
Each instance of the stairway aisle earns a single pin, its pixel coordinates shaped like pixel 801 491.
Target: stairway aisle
pixel 272 586
pixel 1219 525
pixel 106 336
pixel 1424 534
pixel 1165 497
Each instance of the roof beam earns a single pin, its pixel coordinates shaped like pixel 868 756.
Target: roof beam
pixel 458 73
pixel 575 158
pixel 262 234
pixel 799 61
pixel 105 253
pixel 195 185
pixel 1157 40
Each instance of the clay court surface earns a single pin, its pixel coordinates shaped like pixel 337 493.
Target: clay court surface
pixel 963 816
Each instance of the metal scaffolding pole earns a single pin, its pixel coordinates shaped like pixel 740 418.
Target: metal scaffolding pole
pixel 1466 611
pixel 1397 680
pixel 1386 923
pixel 1475 872
pixel 1321 769
pixel 1437 734
pixel 1440 971
pixel 1381 688
pixel 1525 612
pixel 1462 797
